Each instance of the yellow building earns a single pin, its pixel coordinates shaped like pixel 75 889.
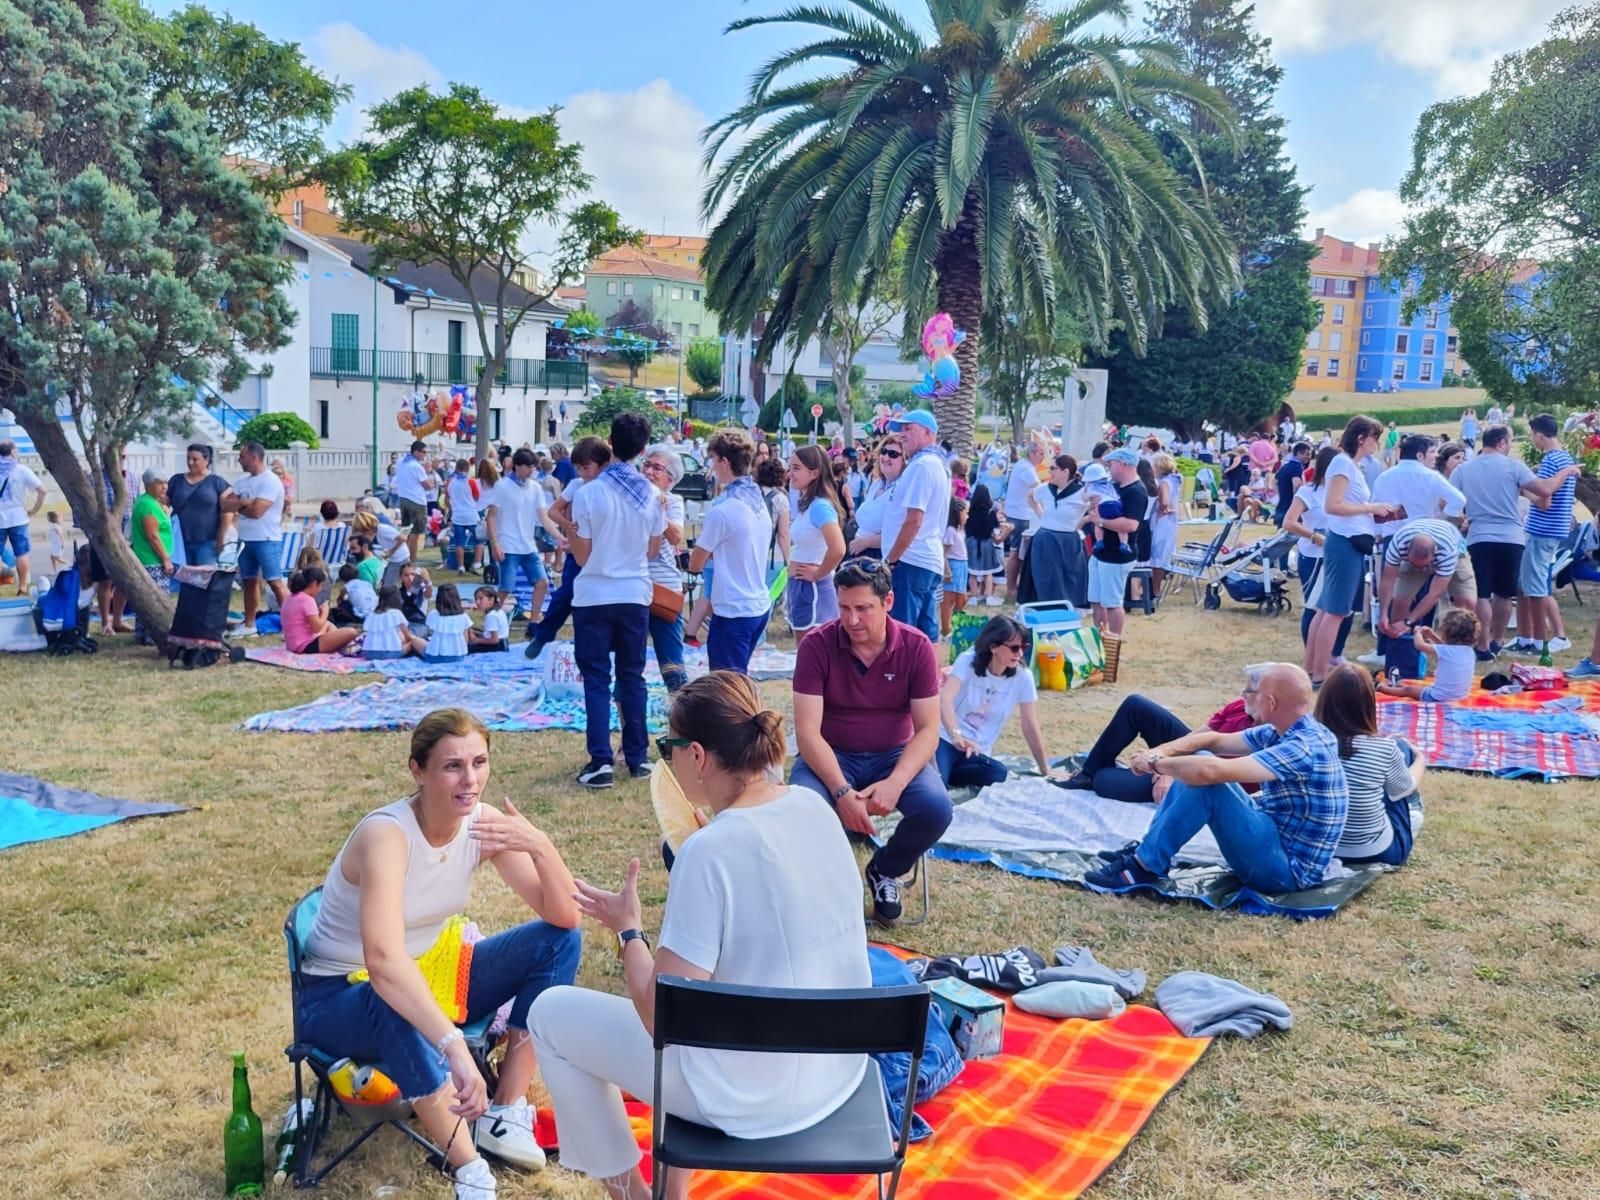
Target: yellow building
pixel 679 251
pixel 1337 280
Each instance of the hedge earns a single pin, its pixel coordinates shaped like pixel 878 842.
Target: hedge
pixel 1403 417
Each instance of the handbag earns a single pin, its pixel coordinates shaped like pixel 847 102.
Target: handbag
pixel 665 603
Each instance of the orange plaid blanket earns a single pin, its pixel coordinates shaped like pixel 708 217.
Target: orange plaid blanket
pixel 1512 751
pixel 1042 1121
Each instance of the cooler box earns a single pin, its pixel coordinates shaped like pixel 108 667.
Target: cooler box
pixel 1045 619
pixel 17 630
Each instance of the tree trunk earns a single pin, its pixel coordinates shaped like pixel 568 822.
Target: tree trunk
pixel 843 360
pixel 485 396
pixel 88 503
pixel 961 295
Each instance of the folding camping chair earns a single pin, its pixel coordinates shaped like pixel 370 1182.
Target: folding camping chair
pixel 333 543
pixel 1579 545
pixel 325 1104
pixel 1195 562
pixel 856 1139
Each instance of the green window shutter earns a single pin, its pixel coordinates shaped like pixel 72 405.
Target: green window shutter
pixel 347 342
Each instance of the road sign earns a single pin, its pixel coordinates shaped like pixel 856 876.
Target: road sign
pixel 816 410
pixel 749 410
pixel 788 421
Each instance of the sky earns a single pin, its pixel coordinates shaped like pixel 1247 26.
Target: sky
pixel 638 81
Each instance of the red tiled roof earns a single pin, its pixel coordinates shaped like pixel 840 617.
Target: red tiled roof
pixel 1335 256
pixel 665 241
pixel 630 260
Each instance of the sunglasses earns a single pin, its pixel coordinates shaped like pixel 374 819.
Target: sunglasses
pixel 666 745
pixel 1014 647
pixel 890 454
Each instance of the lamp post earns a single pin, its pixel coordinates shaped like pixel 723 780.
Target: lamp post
pixel 374 484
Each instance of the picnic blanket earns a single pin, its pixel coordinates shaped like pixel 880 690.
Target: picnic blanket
pixel 768 662
pixel 502 705
pixel 1510 736
pixel 1032 827
pixel 1041 1121
pixel 32 810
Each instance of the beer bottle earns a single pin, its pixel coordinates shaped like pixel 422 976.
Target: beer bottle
pixel 242 1151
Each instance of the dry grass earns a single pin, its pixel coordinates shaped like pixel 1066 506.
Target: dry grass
pixel 1445 1025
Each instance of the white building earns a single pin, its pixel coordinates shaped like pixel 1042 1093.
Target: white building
pixel 396 327
pixel 813 362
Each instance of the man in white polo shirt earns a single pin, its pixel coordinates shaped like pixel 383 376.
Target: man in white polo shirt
pixel 413 484
pixel 914 521
pixel 736 534
pixel 619 523
pixel 513 510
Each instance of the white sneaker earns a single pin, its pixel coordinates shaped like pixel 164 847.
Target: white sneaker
pixel 506 1131
pixel 475 1181
pixel 1557 645
pixel 245 631
pixel 994 601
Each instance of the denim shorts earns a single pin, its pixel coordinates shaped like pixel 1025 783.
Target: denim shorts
pixel 463 537
pixel 18 534
pixel 1538 564
pixel 261 560
pixel 958 576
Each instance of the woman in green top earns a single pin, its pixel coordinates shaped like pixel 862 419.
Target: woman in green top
pixel 151 537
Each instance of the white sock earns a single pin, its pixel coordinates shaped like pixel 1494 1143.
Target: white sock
pixel 477 1175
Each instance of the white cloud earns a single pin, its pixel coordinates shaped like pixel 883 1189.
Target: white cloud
pixel 643 149
pixel 1369 215
pixel 1453 42
pixel 374 72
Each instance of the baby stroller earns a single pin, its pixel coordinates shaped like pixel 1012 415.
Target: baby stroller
pixel 201 618
pixel 62 614
pixel 1257 576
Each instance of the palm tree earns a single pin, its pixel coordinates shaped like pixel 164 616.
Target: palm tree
pixel 1009 142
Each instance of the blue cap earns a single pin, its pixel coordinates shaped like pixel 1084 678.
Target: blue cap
pixel 1124 456
pixel 918 417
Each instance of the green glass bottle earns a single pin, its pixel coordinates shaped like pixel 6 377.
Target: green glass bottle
pixel 242 1147
pixel 1545 659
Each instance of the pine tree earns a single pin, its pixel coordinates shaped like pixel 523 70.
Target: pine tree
pixel 1238 370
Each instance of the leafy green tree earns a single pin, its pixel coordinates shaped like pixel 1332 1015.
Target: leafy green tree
pixel 1506 191
pixel 703 362
pixel 131 260
pixel 259 98
pixel 1025 361
pixel 583 325
pixel 862 309
pixel 1237 368
pixel 989 131
pixel 797 397
pixel 449 179
pixel 632 351
pixel 597 414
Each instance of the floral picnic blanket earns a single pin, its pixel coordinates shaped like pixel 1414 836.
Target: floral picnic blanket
pixel 1529 741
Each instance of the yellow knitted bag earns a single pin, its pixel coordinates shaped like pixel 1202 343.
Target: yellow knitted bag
pixel 447 966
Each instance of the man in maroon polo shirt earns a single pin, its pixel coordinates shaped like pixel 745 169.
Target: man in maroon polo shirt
pixel 866 717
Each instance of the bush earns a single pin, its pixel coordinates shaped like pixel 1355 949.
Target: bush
pixel 597 414
pixel 275 430
pixel 1405 418
pixel 702 429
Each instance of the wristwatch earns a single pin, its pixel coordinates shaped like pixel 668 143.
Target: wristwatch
pixel 839 792
pixel 629 935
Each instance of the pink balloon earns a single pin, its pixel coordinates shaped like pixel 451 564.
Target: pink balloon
pixel 1262 452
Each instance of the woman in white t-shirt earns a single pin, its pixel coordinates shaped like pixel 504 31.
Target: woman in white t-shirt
pixel 890 460
pixel 816 540
pixel 984 685
pixel 662 465
pixel 767 894
pixel 1309 523
pixel 1352 531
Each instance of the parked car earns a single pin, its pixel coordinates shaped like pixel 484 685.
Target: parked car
pixel 696 483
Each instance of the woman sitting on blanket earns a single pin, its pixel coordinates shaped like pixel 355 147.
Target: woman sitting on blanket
pixel 984 685
pixel 400 876
pixel 306 628
pixel 767 894
pixel 1383 773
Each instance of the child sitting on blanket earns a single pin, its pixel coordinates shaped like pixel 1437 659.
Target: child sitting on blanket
pixel 496 632
pixel 386 633
pixel 1452 642
pixel 447 627
pixel 357 601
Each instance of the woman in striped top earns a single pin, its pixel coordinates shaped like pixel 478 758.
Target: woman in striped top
pixel 1382 774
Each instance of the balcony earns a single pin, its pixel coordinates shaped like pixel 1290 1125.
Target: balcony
pixel 443 370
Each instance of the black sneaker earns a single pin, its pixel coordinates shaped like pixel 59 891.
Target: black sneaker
pixel 1121 851
pixel 641 771
pixel 886 907
pixel 1122 872
pixel 535 645
pixel 597 775
pixel 1080 782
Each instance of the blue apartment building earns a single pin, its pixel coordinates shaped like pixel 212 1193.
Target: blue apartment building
pixel 1396 355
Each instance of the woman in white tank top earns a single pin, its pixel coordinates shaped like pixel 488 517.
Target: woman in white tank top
pixel 403 872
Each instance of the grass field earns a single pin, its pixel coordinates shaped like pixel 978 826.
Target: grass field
pixel 1310 400
pixel 1445 1026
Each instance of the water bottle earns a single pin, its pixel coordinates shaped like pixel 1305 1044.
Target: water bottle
pixel 243 1161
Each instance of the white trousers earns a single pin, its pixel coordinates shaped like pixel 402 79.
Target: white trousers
pixel 590 1044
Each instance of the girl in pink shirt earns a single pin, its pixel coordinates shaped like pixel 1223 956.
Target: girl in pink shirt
pixel 306 629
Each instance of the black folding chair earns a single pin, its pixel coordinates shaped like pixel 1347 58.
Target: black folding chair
pixel 325 1103
pixel 856 1139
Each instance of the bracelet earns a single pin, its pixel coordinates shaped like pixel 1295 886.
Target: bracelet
pixel 455 1035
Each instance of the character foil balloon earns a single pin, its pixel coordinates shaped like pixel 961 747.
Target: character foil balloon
pixel 940 337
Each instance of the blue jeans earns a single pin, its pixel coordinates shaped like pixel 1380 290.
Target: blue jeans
pixel 732 640
pixel 958 769
pixel 557 610
pixel 924 805
pixel 1247 837
pixel 201 554
pixel 1136 719
pixel 342 1018
pixel 598 632
pixel 1308 569
pixel 531 567
pixel 916 597
pixel 667 638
